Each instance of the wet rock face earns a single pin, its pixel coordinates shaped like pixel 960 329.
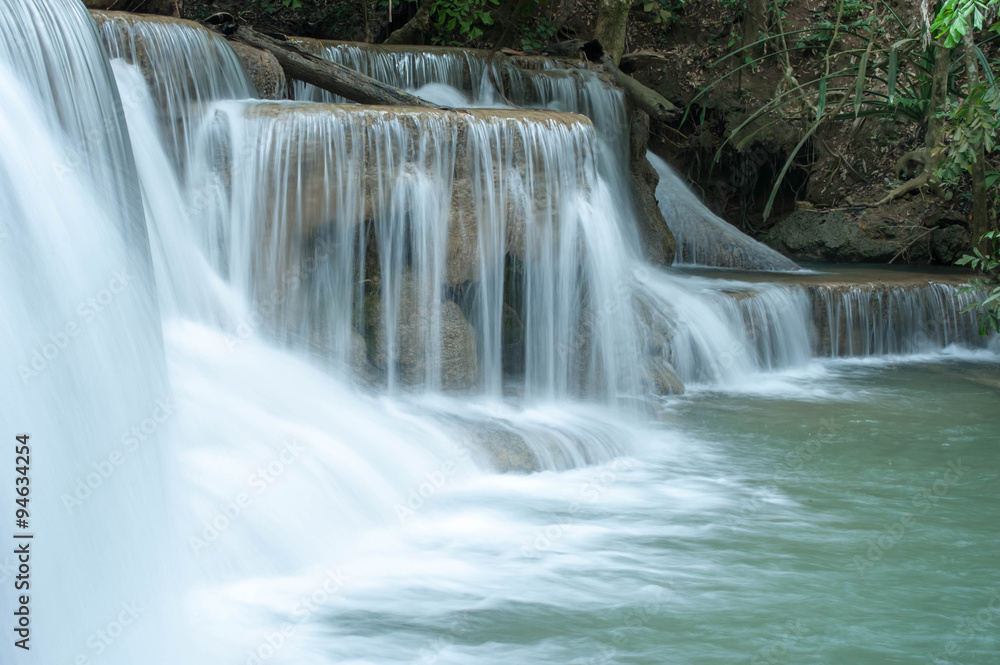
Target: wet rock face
pixel 839 236
pixel 908 232
pixel 663 378
pixel 265 72
pixel 657 240
pixel 949 243
pixel 414 342
pixel 506 451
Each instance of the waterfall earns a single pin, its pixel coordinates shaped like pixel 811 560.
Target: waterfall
pixel 483 80
pixel 83 367
pixel 722 331
pixel 448 200
pixel 874 320
pixel 189 66
pixel 703 238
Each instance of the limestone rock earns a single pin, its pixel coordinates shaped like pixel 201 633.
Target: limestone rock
pixel 458 361
pixel 506 451
pixel 265 72
pixel 950 243
pixel 842 236
pixel 657 240
pixel 663 378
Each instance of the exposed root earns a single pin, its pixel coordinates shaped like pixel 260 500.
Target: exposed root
pixel 929 158
pixel 913 156
pixel 905 188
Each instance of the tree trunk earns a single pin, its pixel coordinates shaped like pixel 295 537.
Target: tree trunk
pixel 980 213
pixel 650 101
pixel 754 23
pixel 328 75
pixel 416 26
pixel 612 21
pixel 939 91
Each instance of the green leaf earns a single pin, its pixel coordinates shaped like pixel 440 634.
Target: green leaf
pixel 859 85
pixel 892 72
pixel 788 164
pixel 486 18
pixel 821 100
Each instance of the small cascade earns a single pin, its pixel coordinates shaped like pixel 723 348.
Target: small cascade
pixel 483 80
pixel 188 65
pixel 881 320
pixel 703 238
pixel 715 331
pixel 720 332
pixel 410 69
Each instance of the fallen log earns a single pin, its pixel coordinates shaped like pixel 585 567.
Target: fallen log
pixel 328 75
pixel 650 101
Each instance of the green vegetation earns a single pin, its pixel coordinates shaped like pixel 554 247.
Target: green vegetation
pixel 987 262
pixel 663 11
pixel 466 17
pixel 867 72
pixel 538 36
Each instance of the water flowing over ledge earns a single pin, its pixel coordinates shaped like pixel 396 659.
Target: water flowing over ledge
pixel 703 238
pixel 429 210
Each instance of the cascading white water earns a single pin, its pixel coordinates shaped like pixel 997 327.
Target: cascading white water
pixel 190 66
pixel 309 182
pixel 489 81
pixel 703 238
pixel 884 320
pixel 82 370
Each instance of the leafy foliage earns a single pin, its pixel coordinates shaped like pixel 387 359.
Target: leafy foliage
pixel 871 75
pixel 663 11
pixel 879 79
pixel 535 38
pixel 465 18
pixel 976 121
pixel 955 17
pixel 988 309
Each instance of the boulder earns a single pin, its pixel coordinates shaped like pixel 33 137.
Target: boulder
pixel 849 236
pixel 265 72
pixel 506 451
pixel 950 242
pixel 458 361
pixel 663 379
